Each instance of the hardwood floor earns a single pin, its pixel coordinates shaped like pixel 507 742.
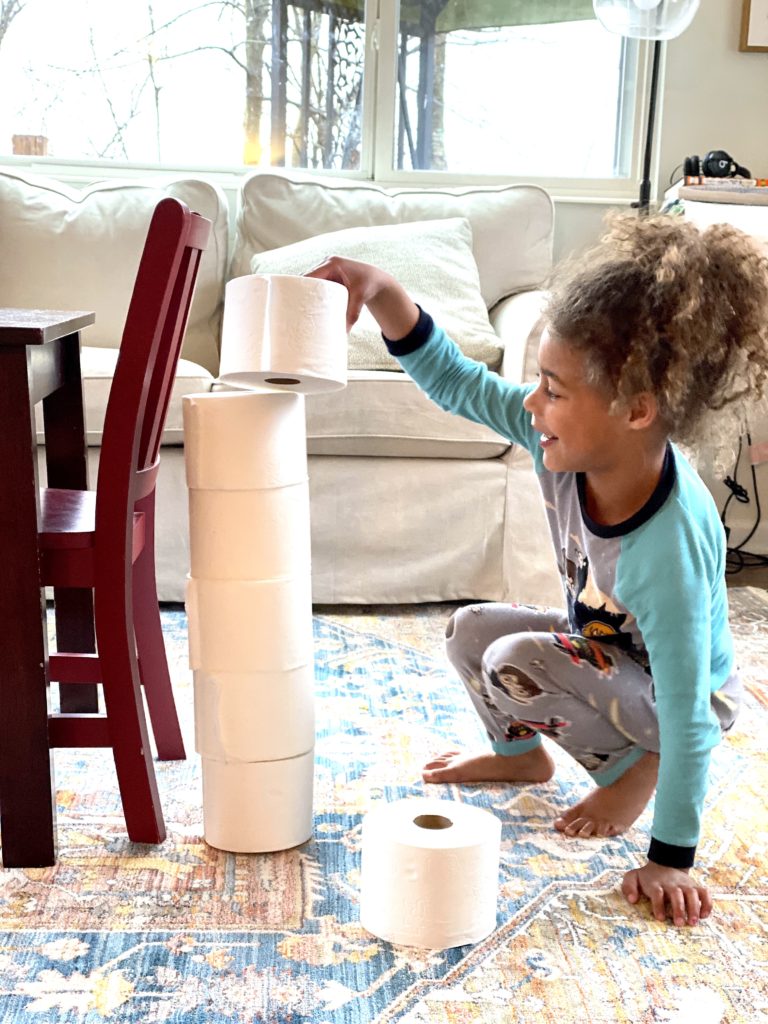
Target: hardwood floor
pixel 757 577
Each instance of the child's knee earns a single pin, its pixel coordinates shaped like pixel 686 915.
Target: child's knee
pixel 511 671
pixel 461 623
pixel 516 649
pixel 462 635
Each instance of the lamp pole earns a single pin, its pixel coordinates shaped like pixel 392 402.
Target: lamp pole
pixel 654 20
pixel 644 201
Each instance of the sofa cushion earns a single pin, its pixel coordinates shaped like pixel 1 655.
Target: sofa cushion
pixel 97 367
pixel 512 225
pixel 432 260
pixel 66 248
pixel 385 414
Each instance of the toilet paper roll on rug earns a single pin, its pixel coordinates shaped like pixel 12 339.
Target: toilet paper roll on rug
pixel 260 807
pixel 249 535
pixel 284 332
pixel 429 873
pixel 254 716
pixel 241 440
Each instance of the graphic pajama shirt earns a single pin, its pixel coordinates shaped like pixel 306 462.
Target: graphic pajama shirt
pixel 642 660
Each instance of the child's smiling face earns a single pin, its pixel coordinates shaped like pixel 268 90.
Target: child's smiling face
pixel 579 431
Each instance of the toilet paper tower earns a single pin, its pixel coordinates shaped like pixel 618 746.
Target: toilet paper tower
pixel 249 593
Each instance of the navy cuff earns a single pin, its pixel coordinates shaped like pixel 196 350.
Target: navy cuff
pixel 414 339
pixel 669 856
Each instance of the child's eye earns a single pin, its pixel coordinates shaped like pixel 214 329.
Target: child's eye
pixel 546 387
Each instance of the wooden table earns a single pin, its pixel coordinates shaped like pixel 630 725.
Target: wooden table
pixel 39 361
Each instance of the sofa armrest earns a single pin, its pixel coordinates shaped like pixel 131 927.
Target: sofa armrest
pixel 517 321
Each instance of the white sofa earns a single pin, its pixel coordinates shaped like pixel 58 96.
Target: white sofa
pixel 408 504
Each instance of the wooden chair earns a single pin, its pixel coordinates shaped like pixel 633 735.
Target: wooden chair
pixel 103 540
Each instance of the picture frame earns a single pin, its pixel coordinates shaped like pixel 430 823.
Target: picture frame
pixel 754 26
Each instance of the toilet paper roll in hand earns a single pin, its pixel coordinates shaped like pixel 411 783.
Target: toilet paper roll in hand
pixel 429 873
pixel 284 332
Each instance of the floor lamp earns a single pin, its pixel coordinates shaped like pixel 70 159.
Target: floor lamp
pixel 655 20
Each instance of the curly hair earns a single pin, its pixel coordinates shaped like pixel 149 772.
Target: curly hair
pixel 660 306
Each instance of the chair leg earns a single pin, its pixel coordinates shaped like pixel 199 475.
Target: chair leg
pixel 153 662
pixel 125 712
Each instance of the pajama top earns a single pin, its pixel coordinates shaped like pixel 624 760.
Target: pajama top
pixel 654 584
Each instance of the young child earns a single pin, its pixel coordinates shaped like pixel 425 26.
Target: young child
pixel 636 679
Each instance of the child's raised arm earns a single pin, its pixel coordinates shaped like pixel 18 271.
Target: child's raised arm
pixel 389 303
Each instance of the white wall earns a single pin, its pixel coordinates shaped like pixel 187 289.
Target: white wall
pixel 713 97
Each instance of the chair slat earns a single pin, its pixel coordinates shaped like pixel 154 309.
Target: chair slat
pixel 78 731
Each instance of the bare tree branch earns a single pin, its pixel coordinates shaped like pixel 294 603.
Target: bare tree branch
pixel 199 49
pixel 235 5
pixel 8 11
pixel 153 79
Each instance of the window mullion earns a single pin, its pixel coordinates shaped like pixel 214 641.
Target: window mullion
pixel 381 112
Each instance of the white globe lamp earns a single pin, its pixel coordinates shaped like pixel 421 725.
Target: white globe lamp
pixel 656 20
pixel 646 19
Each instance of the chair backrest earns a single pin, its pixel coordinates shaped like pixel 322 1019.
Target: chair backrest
pixel 146 365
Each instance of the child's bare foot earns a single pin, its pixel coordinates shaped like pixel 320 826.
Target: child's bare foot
pixel 533 766
pixel 610 810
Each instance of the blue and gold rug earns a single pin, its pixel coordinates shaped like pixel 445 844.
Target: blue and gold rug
pixel 185 933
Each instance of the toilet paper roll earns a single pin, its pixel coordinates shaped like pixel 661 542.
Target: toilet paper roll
pixel 249 535
pixel 284 332
pixel 240 441
pixel 260 807
pixel 430 872
pixel 254 716
pixel 250 625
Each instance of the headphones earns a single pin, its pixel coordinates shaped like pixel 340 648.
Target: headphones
pixel 716 164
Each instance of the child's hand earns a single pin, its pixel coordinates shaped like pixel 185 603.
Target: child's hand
pixel 368 286
pixel 672 893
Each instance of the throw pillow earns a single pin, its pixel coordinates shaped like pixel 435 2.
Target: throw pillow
pixel 512 225
pixel 432 260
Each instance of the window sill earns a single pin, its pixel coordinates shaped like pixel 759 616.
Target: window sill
pixel 83 172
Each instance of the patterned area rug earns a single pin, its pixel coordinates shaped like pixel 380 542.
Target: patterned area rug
pixel 186 933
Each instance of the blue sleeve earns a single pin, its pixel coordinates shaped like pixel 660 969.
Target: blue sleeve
pixel 667 575
pixel 462 386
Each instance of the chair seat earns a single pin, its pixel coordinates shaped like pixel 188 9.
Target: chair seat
pixel 68 537
pixel 68 520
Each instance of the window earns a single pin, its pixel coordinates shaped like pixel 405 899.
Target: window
pixel 539 96
pixel 521 88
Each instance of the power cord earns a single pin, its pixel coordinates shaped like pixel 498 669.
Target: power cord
pixel 736 557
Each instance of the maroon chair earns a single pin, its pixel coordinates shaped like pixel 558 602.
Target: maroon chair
pixel 103 540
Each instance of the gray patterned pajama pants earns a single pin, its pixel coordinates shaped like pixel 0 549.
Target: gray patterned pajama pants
pixel 527 675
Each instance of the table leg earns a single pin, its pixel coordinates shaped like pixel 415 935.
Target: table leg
pixel 27 792
pixel 66 459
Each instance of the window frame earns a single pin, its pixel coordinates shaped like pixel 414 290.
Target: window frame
pixel 378 136
pixel 382 21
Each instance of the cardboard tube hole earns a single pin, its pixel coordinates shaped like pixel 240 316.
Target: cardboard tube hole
pixel 282 380
pixel 432 821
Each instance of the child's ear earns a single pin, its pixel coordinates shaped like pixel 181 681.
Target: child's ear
pixel 643 411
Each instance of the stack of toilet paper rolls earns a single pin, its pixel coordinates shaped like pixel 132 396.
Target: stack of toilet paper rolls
pixel 249 606
pixel 249 593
